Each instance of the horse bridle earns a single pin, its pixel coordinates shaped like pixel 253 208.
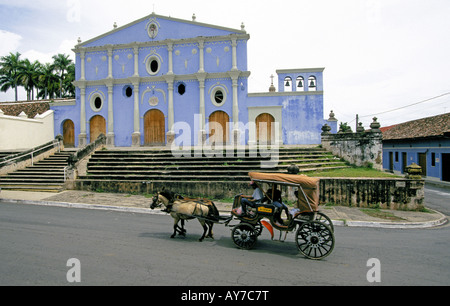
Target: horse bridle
pixel 156 202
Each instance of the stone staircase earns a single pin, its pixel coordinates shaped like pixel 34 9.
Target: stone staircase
pixel 44 176
pixel 162 165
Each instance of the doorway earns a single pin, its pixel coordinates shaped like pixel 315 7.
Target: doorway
pixel 69 134
pixel 423 163
pixel 218 127
pixel 154 128
pixel 97 127
pixel 265 132
pixel 446 167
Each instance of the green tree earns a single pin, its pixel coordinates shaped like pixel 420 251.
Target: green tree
pixel 28 76
pixel 9 71
pixel 61 63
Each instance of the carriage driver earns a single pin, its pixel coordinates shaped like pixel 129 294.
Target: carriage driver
pixel 256 198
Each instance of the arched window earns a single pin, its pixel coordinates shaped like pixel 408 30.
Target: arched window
pixel 300 84
pixel 312 83
pixel 287 84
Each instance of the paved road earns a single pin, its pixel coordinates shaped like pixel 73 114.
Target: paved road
pixel 116 248
pixel 438 199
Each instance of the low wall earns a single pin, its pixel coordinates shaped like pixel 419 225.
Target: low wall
pixel 397 194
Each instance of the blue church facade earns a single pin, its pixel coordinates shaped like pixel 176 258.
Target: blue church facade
pixel 162 80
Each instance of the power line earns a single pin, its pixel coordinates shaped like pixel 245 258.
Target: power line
pixel 396 109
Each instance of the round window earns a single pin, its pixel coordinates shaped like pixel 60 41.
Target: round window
pixel 219 96
pixel 96 102
pixel 153 65
pixel 128 91
pixel 181 89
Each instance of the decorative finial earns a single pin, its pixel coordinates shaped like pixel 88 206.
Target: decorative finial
pixel 194 18
pixel 272 87
pixel 242 26
pixel 79 40
pixel 115 25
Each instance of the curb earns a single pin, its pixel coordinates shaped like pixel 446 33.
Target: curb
pixel 368 224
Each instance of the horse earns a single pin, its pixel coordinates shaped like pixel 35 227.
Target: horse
pixel 182 209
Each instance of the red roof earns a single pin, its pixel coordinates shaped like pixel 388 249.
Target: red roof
pixel 436 126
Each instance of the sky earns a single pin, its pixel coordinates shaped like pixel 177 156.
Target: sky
pixel 383 58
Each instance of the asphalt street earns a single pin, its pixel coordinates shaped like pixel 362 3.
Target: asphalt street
pixel 118 248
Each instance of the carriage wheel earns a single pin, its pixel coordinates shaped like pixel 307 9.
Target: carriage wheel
pixel 315 240
pixel 321 217
pixel 244 236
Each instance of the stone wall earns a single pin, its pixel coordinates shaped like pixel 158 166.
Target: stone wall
pixel 363 148
pixel 359 192
pixel 396 194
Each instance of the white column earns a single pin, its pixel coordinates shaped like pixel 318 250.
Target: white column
pixel 234 45
pixel 110 134
pixel 136 137
pixel 83 63
pixel 236 134
pixel 110 53
pixel 136 62
pixel 171 118
pixel 201 46
pixel 170 49
pixel 202 132
pixel 82 138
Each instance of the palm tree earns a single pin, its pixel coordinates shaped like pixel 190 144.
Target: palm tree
pixel 9 69
pixel 69 88
pixel 61 63
pixel 48 82
pixel 28 74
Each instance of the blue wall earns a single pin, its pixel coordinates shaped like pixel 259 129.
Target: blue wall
pixel 302 113
pixel 431 148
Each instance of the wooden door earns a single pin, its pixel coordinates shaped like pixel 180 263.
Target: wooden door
pixel 218 127
pixel 97 127
pixel 264 128
pixel 445 161
pixel 155 128
pixel 423 163
pixel 69 134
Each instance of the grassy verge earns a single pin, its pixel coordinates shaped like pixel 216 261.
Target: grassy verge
pixel 353 172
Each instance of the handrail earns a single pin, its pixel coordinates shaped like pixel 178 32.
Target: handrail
pixel 13 157
pixel 82 153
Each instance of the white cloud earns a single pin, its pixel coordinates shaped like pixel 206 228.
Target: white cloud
pixel 9 42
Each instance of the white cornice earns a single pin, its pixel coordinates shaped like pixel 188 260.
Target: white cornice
pixel 288 93
pixel 166 42
pixel 239 34
pixel 163 78
pixel 300 70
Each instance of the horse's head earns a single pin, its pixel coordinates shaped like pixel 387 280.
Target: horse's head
pixel 156 202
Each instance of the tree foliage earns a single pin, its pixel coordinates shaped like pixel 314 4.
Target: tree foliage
pixel 40 81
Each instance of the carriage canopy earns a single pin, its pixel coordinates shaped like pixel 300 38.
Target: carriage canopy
pixel 308 194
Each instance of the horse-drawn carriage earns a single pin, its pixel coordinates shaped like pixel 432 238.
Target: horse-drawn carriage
pixel 314 232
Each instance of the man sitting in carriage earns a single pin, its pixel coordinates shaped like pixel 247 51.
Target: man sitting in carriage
pixel 256 198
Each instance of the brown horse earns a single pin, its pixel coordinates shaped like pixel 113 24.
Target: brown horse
pixel 182 209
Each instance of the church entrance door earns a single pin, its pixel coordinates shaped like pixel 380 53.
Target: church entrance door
pixel 218 127
pixel 155 128
pixel 69 134
pixel 265 128
pixel 97 127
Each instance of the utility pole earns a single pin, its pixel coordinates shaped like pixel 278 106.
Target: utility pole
pixel 357 122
